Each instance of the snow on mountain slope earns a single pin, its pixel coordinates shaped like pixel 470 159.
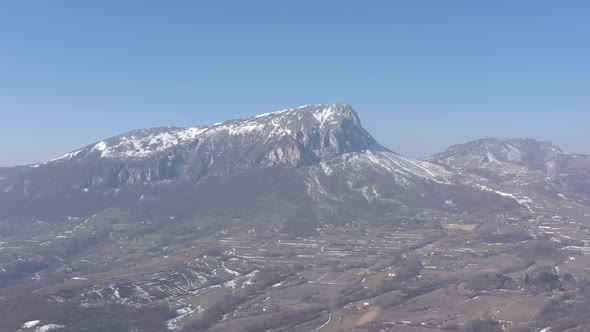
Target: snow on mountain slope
pixel 293 123
pixel 374 175
pixel 505 155
pixel 516 160
pixel 307 135
pixel 512 158
pixel 518 164
pixel 389 162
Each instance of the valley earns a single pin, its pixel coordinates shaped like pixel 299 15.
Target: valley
pixel 354 275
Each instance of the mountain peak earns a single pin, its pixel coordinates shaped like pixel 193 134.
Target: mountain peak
pixel 323 130
pixel 513 150
pixel 523 143
pixel 319 114
pixel 504 157
pixel 325 112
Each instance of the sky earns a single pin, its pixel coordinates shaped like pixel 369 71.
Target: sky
pixel 422 75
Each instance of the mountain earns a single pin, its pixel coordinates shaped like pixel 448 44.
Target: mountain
pixel 313 155
pixel 522 164
pixel 295 137
pixel 293 220
pixel 503 159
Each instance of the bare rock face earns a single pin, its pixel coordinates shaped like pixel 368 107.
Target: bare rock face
pixel 290 156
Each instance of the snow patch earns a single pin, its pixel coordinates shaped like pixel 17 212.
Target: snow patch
pixel 68 156
pixel 31 324
pixel 323 115
pixel 49 327
pixel 230 271
pixel 173 324
pixel 523 200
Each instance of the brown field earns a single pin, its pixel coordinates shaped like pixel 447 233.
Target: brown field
pixel 522 310
pixel 370 316
pixel 461 227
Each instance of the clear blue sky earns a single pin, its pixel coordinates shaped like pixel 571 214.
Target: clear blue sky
pixel 421 74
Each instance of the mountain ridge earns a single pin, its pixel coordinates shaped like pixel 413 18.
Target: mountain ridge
pixel 292 122
pixel 322 150
pixel 521 164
